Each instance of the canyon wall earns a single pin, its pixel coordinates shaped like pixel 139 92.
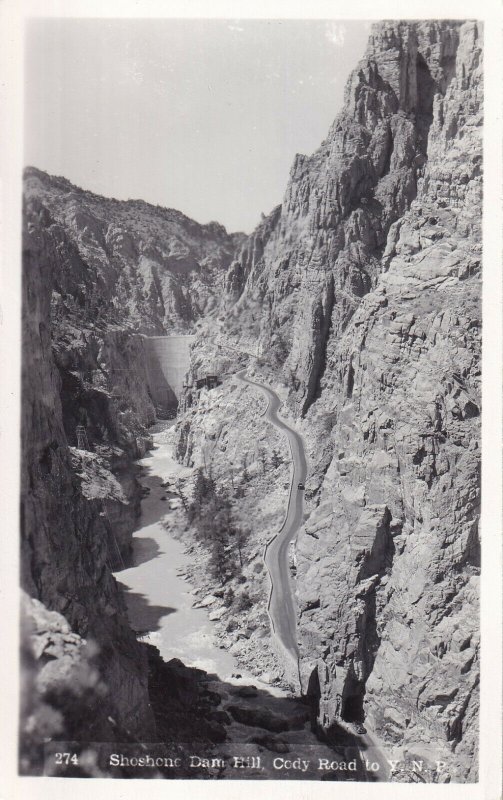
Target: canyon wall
pixel 358 299
pixel 97 273
pixel 65 493
pixel 129 263
pixel 398 498
pixel 363 292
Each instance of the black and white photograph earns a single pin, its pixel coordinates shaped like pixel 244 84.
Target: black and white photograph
pixel 251 399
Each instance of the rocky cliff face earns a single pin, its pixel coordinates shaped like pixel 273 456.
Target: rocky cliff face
pixel 114 269
pixel 360 295
pixel 363 292
pixel 96 272
pixel 151 269
pixel 399 503
pixel 65 533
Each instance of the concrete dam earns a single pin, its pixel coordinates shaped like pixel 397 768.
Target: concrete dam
pixel 167 360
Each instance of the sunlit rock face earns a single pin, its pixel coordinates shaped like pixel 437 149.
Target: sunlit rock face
pixel 396 559
pixel 362 294
pixel 140 266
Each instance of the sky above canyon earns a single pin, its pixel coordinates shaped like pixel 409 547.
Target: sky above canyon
pixel 204 116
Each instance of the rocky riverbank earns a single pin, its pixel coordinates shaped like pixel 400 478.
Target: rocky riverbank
pixel 251 463
pixel 209 702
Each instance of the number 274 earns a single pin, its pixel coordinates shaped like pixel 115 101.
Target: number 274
pixel 66 758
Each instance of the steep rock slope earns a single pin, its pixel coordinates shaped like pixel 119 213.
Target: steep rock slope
pixel 390 555
pixel 97 272
pixel 64 533
pixel 115 269
pixel 311 261
pixel 140 266
pixel 362 293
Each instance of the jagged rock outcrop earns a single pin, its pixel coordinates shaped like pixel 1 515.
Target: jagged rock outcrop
pixel 144 267
pixel 311 261
pixel 363 293
pixel 397 514
pixel 63 693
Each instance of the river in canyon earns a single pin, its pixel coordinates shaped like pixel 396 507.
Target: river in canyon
pixel 159 601
pixel 160 604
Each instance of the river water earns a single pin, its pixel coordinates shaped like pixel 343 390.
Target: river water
pixel 160 606
pixel 159 601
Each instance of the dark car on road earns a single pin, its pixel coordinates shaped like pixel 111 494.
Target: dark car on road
pixel 301 486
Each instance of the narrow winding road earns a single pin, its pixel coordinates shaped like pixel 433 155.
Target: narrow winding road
pixel 281 603
pixel 282 610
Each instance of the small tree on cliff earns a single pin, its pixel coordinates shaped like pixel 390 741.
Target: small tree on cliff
pixel 276 459
pixel 203 494
pixel 183 498
pixel 238 537
pixel 222 564
pixel 212 515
